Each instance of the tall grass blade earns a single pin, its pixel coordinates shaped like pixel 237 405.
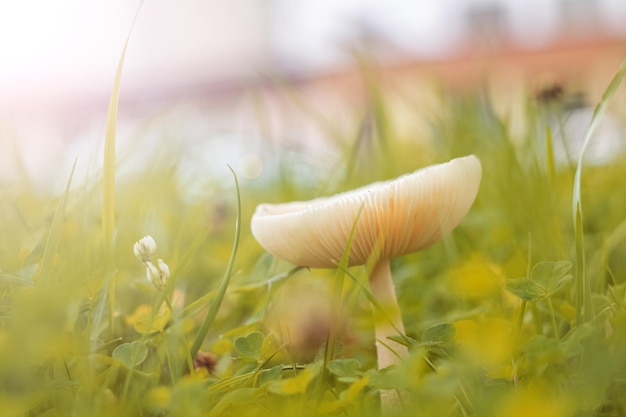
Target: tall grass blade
pixel 583 287
pixel 108 175
pixel 379 113
pixel 376 103
pixel 54 235
pixel 202 301
pixel 549 153
pixel 364 289
pixel 221 290
pixel 108 167
pixel 335 304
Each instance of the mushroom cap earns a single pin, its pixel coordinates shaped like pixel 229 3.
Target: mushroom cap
pixel 399 216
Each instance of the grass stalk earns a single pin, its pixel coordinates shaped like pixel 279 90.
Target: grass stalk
pixel 109 162
pixel 221 291
pixel 108 176
pixel 555 328
pixel 520 320
pixel 378 308
pixel 335 305
pixel 583 287
pixel 550 154
pixel 524 305
pixel 54 234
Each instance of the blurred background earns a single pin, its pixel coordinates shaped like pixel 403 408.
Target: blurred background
pixel 234 80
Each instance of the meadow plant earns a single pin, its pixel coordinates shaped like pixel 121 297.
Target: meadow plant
pixel 517 312
pixel 145 249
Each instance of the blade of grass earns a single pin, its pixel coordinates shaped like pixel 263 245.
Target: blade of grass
pixel 353 153
pixel 54 234
pixel 375 100
pixel 108 176
pixel 221 291
pixel 364 288
pixel 549 153
pixel 381 118
pixel 523 305
pixel 583 287
pixel 108 167
pixel 198 304
pixel 617 236
pixel 335 305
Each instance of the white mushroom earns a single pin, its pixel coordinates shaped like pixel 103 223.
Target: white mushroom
pixel 399 216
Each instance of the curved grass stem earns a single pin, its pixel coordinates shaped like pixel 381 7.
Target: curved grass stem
pixel 583 287
pixel 221 290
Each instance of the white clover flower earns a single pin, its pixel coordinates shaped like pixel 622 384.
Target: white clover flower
pixel 152 273
pixel 157 275
pixel 145 248
pixel 165 270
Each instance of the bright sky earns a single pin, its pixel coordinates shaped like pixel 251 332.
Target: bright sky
pixel 67 47
pixel 55 48
pixel 44 44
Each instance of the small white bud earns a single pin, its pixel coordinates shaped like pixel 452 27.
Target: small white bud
pixel 145 248
pixel 152 273
pixel 164 269
pixel 158 276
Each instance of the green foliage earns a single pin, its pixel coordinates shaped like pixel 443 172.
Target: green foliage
pixel 583 288
pixel 345 369
pixel 438 334
pixel 130 354
pixel 54 235
pixel 221 289
pixel 250 346
pixel 546 278
pixel 82 335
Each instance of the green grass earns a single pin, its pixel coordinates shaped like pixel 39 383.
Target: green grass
pixel 517 313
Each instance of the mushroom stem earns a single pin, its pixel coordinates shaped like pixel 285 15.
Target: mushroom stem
pixel 390 324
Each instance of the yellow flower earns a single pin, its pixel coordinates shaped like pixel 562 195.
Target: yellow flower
pixel 476 277
pixel 533 402
pixel 487 341
pixel 144 321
